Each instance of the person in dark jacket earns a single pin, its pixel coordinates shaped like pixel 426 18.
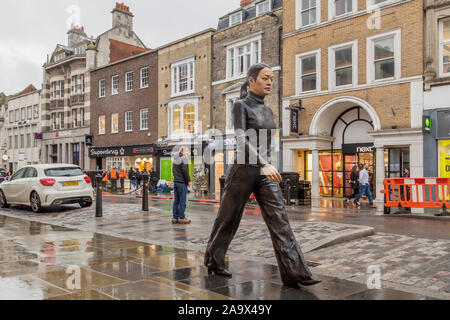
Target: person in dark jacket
pixel 354 183
pixel 181 181
pixel 153 181
pixel 405 174
pixel 138 178
pixel 132 177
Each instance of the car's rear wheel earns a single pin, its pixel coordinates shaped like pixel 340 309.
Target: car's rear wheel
pixel 35 202
pixel 86 203
pixel 3 202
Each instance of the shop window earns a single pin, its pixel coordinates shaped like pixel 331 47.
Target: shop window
pixel 396 160
pixel 444 158
pixel 115 162
pixel 331 175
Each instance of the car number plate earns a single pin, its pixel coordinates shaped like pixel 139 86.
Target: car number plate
pixel 70 184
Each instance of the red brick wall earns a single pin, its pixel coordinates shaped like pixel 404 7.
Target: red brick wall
pixel 126 101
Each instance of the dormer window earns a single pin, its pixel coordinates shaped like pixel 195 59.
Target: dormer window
pixel 262 7
pixel 236 18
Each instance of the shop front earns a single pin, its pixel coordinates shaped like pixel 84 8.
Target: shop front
pixel 437 147
pixel 164 160
pixel 136 156
pixel 346 132
pixel 335 167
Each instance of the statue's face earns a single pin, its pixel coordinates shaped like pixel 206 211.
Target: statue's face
pixel 263 84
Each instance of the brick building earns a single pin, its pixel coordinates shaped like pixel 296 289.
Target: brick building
pixel 124 108
pixel 184 92
pixel 436 154
pixel 356 68
pixel 66 86
pixel 247 35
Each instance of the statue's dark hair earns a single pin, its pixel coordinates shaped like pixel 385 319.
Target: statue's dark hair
pixel 253 72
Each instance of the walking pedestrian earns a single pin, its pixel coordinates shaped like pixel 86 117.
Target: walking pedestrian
pixel 132 177
pixel 354 183
pixel 252 172
pixel 405 174
pixel 122 176
pixel 138 178
pixel 364 187
pixel 181 181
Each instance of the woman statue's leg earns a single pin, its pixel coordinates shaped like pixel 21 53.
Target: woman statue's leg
pixel 292 264
pixel 238 187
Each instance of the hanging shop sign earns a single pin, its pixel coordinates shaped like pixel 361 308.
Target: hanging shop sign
pixel 352 148
pixel 294 120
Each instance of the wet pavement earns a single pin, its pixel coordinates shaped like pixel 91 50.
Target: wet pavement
pixel 417 262
pixel 39 261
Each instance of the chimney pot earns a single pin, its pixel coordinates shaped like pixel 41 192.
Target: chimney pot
pixel 245 2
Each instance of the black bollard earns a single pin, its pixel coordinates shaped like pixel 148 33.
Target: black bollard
pixel 288 192
pixel 145 191
pixel 98 203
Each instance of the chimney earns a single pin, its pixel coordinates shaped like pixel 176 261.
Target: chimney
pixel 122 17
pixel 245 2
pixel 75 35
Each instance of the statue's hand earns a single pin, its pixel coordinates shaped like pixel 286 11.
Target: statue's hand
pixel 272 173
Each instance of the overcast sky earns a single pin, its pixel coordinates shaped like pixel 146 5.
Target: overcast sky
pixel 30 29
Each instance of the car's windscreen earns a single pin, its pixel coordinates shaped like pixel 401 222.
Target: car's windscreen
pixel 63 172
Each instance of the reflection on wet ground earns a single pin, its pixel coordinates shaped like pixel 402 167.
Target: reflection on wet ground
pixel 40 261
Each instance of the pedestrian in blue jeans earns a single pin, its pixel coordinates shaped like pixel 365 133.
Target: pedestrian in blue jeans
pixel 364 187
pixel 181 181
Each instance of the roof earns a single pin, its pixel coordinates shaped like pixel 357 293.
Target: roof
pixel 119 50
pixel 28 89
pixel 248 13
pixel 186 38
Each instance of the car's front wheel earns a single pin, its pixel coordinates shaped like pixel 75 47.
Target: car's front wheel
pixel 3 202
pixel 85 204
pixel 35 202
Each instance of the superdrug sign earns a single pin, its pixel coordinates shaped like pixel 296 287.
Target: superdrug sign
pixel 121 151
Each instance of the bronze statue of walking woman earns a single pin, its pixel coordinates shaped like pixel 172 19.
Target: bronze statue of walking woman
pixel 252 172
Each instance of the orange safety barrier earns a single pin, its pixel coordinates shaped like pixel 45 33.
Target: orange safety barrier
pixel 417 193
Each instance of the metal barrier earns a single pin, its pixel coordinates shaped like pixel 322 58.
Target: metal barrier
pixel 417 193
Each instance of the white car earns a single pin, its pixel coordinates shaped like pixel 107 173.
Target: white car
pixel 45 185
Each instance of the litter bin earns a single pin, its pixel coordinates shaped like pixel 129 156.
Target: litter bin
pixel 304 192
